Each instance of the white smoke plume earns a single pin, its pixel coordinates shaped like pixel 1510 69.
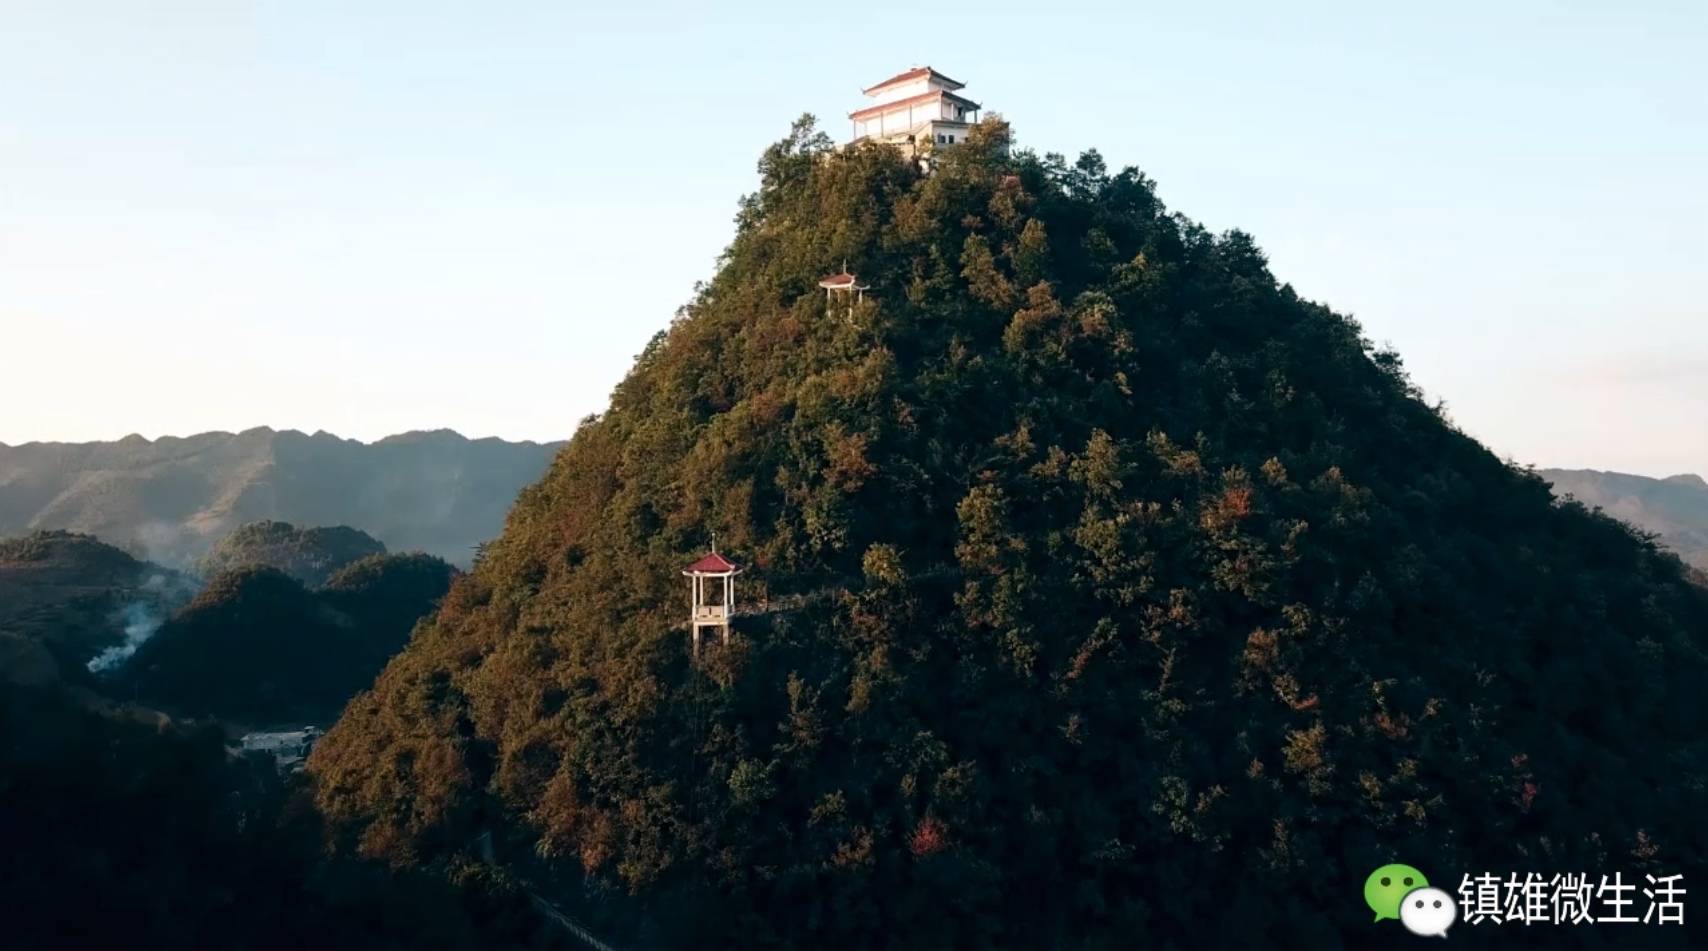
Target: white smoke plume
pixel 140 625
pixel 141 618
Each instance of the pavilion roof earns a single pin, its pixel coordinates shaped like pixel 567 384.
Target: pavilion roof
pixel 712 564
pixel 839 281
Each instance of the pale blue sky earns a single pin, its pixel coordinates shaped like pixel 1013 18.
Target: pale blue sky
pixel 370 217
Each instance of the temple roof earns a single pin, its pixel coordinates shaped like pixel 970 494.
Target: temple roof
pixel 712 564
pixel 913 74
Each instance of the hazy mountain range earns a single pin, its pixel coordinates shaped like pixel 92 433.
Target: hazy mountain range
pixel 1674 508
pixel 169 499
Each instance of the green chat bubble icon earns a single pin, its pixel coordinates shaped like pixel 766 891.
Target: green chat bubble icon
pixel 1387 885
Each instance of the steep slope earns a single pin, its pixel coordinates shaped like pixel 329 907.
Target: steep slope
pixel 170 498
pixel 81 598
pixel 1675 509
pixel 1140 600
pixel 310 555
pixel 384 596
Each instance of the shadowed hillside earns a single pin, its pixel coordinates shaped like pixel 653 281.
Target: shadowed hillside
pixel 81 599
pixel 1144 602
pixel 170 498
pixel 258 647
pixel 125 831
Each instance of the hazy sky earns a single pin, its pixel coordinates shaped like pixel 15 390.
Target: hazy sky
pixel 371 217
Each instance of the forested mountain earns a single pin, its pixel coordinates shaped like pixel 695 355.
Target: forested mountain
pixel 127 827
pixel 1141 602
pixel 81 598
pixel 1675 509
pixel 310 555
pixel 257 647
pixel 168 499
pixel 251 643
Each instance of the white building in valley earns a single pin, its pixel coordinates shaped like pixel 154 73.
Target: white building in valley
pixel 918 110
pixel 288 748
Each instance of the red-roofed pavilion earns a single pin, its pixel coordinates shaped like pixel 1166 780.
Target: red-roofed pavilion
pixel 845 283
pixel 705 607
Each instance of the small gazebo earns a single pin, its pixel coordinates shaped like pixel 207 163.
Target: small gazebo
pixel 710 604
pixel 844 284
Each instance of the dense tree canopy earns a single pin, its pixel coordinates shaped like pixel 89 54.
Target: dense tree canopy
pixel 310 555
pixel 126 832
pixel 76 595
pixel 1144 602
pixel 258 647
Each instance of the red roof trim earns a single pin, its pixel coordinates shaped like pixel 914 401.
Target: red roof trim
pixel 911 74
pixel 900 104
pixel 712 564
pixel 838 280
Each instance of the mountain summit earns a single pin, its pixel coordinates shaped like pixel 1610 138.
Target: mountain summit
pixel 1102 588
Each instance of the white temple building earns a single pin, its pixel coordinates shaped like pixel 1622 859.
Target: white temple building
pixel 919 110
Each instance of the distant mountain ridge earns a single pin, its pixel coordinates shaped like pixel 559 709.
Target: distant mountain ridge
pixel 1675 508
pixel 170 498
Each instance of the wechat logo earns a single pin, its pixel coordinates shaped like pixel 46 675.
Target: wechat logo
pixel 1403 893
